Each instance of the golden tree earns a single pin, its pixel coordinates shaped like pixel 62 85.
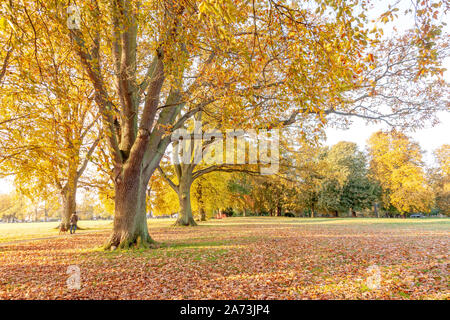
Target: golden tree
pixel 154 64
pixel 396 163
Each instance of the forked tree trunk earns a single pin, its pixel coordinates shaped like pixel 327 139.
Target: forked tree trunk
pixel 130 220
pixel 185 217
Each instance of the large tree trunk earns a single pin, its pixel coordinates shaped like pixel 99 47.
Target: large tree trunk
pixel 185 217
pixel 69 199
pixel 312 211
pixel 130 220
pixel 69 207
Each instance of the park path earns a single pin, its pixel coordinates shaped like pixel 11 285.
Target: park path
pixel 2 244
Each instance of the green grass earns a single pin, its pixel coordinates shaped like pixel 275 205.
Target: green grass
pixel 23 231
pixel 10 232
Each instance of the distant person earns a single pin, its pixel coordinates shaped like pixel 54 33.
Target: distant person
pixel 73 223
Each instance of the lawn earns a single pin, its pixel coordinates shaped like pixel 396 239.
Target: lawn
pixel 235 258
pixel 10 232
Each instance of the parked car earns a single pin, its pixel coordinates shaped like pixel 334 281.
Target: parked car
pixel 417 215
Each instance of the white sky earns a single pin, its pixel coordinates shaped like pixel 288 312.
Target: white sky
pixel 429 138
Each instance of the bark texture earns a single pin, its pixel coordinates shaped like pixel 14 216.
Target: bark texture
pixel 130 217
pixel 184 196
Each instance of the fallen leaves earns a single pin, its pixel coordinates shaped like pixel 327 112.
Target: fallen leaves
pixel 253 259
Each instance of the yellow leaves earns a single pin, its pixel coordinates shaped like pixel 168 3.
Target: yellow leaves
pixel 395 163
pixel 3 23
pixel 223 9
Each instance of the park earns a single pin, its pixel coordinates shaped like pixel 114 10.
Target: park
pixel 236 259
pixel 224 150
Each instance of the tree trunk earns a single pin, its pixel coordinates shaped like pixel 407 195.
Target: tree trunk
pixel 130 221
pixel 69 197
pixel 69 207
pixel 279 211
pixel 353 213
pixel 201 204
pixel 202 214
pixel 185 217
pixel 312 212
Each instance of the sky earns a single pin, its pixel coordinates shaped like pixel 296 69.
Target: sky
pixel 429 138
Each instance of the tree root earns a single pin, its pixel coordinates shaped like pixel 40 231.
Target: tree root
pixel 181 222
pixel 131 243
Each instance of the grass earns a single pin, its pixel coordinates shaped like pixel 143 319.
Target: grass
pixel 10 232
pixel 247 258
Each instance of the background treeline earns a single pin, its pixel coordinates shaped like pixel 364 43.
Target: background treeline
pixel 388 179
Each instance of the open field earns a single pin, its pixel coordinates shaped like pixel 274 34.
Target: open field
pixel 236 258
pixel 10 232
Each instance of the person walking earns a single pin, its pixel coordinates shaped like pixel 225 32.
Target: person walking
pixel 73 222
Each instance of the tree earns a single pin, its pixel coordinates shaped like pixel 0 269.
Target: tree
pixel 354 190
pixel 396 163
pixel 440 179
pixel 14 206
pixel 48 148
pixel 193 158
pixel 155 64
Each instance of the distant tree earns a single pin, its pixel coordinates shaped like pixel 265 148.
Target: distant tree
pixel 355 191
pixel 440 180
pixel 396 163
pixel 14 207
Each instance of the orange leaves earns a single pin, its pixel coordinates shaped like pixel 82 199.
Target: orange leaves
pixel 241 258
